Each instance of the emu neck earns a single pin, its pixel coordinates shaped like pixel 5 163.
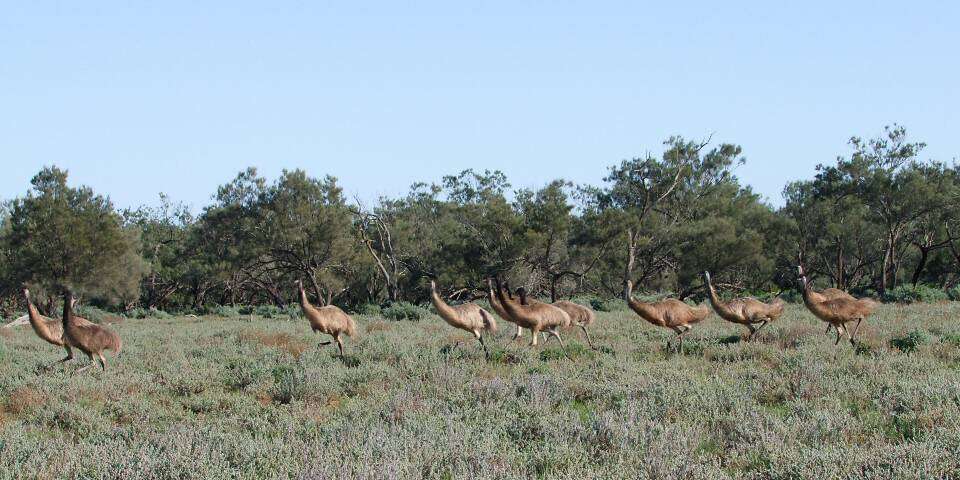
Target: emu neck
pixel 304 302
pixel 715 300
pixel 442 307
pixel 33 314
pixel 643 309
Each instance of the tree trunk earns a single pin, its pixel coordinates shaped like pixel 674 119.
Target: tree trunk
pixel 841 281
pixel 631 258
pixel 316 289
pixel 887 264
pixel 921 265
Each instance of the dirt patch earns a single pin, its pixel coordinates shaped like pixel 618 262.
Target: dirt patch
pixel 24 399
pixel 281 341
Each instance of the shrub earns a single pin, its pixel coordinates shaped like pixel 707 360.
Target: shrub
pixel 226 311
pixel 94 314
pixel 954 293
pixel 290 383
pixel 915 293
pixel 147 313
pixel 241 373
pixel 791 296
pixel 404 311
pixel 268 311
pixel 599 304
pixel 371 309
pixel 909 342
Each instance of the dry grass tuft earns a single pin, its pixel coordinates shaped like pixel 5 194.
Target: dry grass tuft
pixel 281 341
pixel 794 335
pixel 24 399
pixel 378 326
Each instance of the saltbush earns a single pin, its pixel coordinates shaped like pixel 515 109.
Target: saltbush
pixel 404 311
pixel 290 383
pixel 147 313
pixel 909 342
pixel 93 314
pixel 371 309
pixel 915 293
pixel 954 293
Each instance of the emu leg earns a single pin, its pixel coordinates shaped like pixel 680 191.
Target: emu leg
pixel 553 331
pixel 82 369
pixel 324 344
pixel 536 334
pixel 856 329
pixel 64 359
pixel 482 344
pixel 762 324
pixel 103 361
pixel 839 334
pixel 752 331
pixel 587 334
pixel 339 344
pixel 519 333
pixel 828 328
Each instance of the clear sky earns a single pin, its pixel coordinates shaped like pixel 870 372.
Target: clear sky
pixel 138 98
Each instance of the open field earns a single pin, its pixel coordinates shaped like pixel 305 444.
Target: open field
pixel 241 397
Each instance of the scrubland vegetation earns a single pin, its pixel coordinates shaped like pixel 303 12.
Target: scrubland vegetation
pixel 880 220
pixel 226 396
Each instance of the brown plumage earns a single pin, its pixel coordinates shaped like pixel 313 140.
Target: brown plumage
pixel 498 307
pixel 329 319
pixel 744 310
pixel 669 313
pixel 838 311
pixel 48 329
pixel 534 315
pixel 468 317
pixel 580 316
pixel 826 294
pixel 89 338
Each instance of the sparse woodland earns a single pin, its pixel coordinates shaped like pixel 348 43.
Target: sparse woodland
pixel 279 360
pixel 881 220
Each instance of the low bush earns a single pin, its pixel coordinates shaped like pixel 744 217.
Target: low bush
pixel 404 311
pixel 371 309
pixel 908 343
pixel 290 383
pixel 954 293
pixel 226 311
pixel 94 314
pixel 915 293
pixel 146 313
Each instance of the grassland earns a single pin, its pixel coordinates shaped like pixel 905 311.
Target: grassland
pixel 249 397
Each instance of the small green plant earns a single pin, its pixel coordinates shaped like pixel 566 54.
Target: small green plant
pixel 241 373
pixel 290 383
pixel 404 311
pixel 908 343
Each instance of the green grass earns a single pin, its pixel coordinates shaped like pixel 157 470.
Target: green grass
pixel 221 397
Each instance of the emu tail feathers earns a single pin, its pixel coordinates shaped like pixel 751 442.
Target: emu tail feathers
pixel 777 306
pixel 489 323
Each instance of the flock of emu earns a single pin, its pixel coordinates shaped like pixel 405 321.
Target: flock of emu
pixel 833 306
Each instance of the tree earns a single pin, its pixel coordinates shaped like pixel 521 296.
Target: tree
pixel 164 233
pixel 60 235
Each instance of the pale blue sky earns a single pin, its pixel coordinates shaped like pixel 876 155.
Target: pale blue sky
pixel 137 98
